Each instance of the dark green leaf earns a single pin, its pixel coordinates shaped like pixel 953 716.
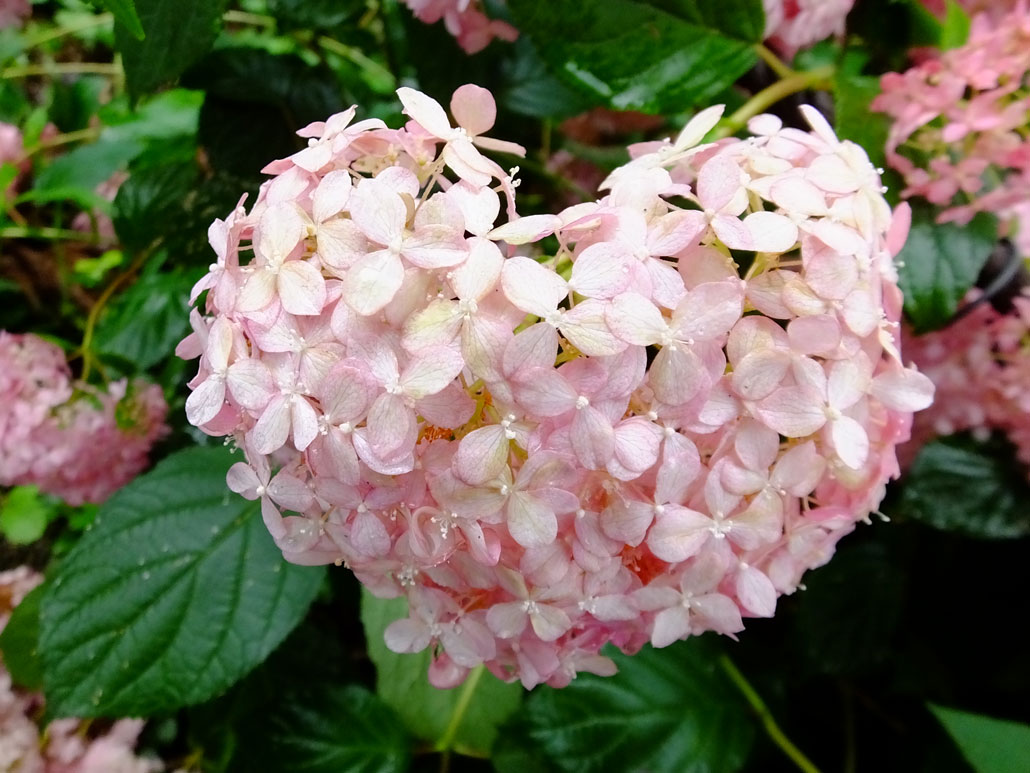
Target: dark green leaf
pixel 667 711
pixel 124 12
pixel 534 91
pixel 327 728
pixel 635 56
pixel 178 33
pixel 24 515
pixel 957 484
pixel 989 745
pixel 939 264
pixel 19 642
pixel 315 14
pixel 146 322
pixel 428 712
pixel 861 590
pixel 255 104
pixel 175 592
pixel 149 204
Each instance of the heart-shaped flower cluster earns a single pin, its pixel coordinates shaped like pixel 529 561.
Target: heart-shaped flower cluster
pixel 650 433
pixel 68 438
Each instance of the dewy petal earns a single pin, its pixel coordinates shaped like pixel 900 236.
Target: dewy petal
pixel 242 479
pixel 531 287
pixel 407 636
pixel 507 620
pixel 531 522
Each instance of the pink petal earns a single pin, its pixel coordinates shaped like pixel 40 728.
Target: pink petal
pixel 771 232
pixel 593 438
pixel 600 271
pixel 626 520
pixel 531 522
pixel 378 211
pixel 242 479
pixel 755 591
pixel 301 288
pixel 273 428
pixel 372 282
pixel 792 411
pixel 407 636
pixel 903 389
pixel 205 401
pixel 549 622
pixel 474 109
pixel 850 441
pixel 678 533
pixel 635 320
pixel 531 287
pixel 585 327
pixel 430 371
pixel 507 620
pixel 426 111
pixel 670 625
pixel 718 182
pixel 482 455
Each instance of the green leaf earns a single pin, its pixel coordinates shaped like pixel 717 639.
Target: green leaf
pixel 174 593
pixel 149 204
pixel 667 711
pixel 19 642
pixel 24 515
pixel 959 485
pixel 255 103
pixel 939 263
pixel 861 590
pixel 178 33
pixel 315 14
pixel 430 713
pixel 989 745
pixel 854 120
pixel 147 321
pixel 124 12
pixel 955 29
pixel 76 175
pixel 633 55
pixel 327 728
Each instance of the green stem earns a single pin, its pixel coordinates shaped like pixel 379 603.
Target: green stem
pixel 61 68
pixel 250 19
pixel 63 139
pixel 768 722
pixel 818 78
pixel 777 65
pixel 69 29
pixel 54 234
pixel 464 699
pixel 359 58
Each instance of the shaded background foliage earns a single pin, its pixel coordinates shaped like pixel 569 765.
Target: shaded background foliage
pixel 919 612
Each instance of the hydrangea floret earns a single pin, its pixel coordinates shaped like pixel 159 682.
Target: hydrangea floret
pixel 791 25
pixel 652 433
pixel 73 440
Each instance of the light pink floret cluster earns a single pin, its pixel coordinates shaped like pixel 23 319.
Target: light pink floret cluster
pixel 465 20
pixel 981 369
pixel 70 439
pixel 627 441
pixel 66 747
pixel 959 132
pixel 791 25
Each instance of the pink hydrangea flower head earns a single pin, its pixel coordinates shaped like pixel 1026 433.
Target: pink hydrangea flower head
pixel 651 433
pixel 958 133
pixel 13 13
pixel 70 439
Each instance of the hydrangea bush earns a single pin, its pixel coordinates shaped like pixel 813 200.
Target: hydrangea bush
pixel 409 384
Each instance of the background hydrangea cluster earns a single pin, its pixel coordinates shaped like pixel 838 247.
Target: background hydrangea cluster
pixel 68 438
